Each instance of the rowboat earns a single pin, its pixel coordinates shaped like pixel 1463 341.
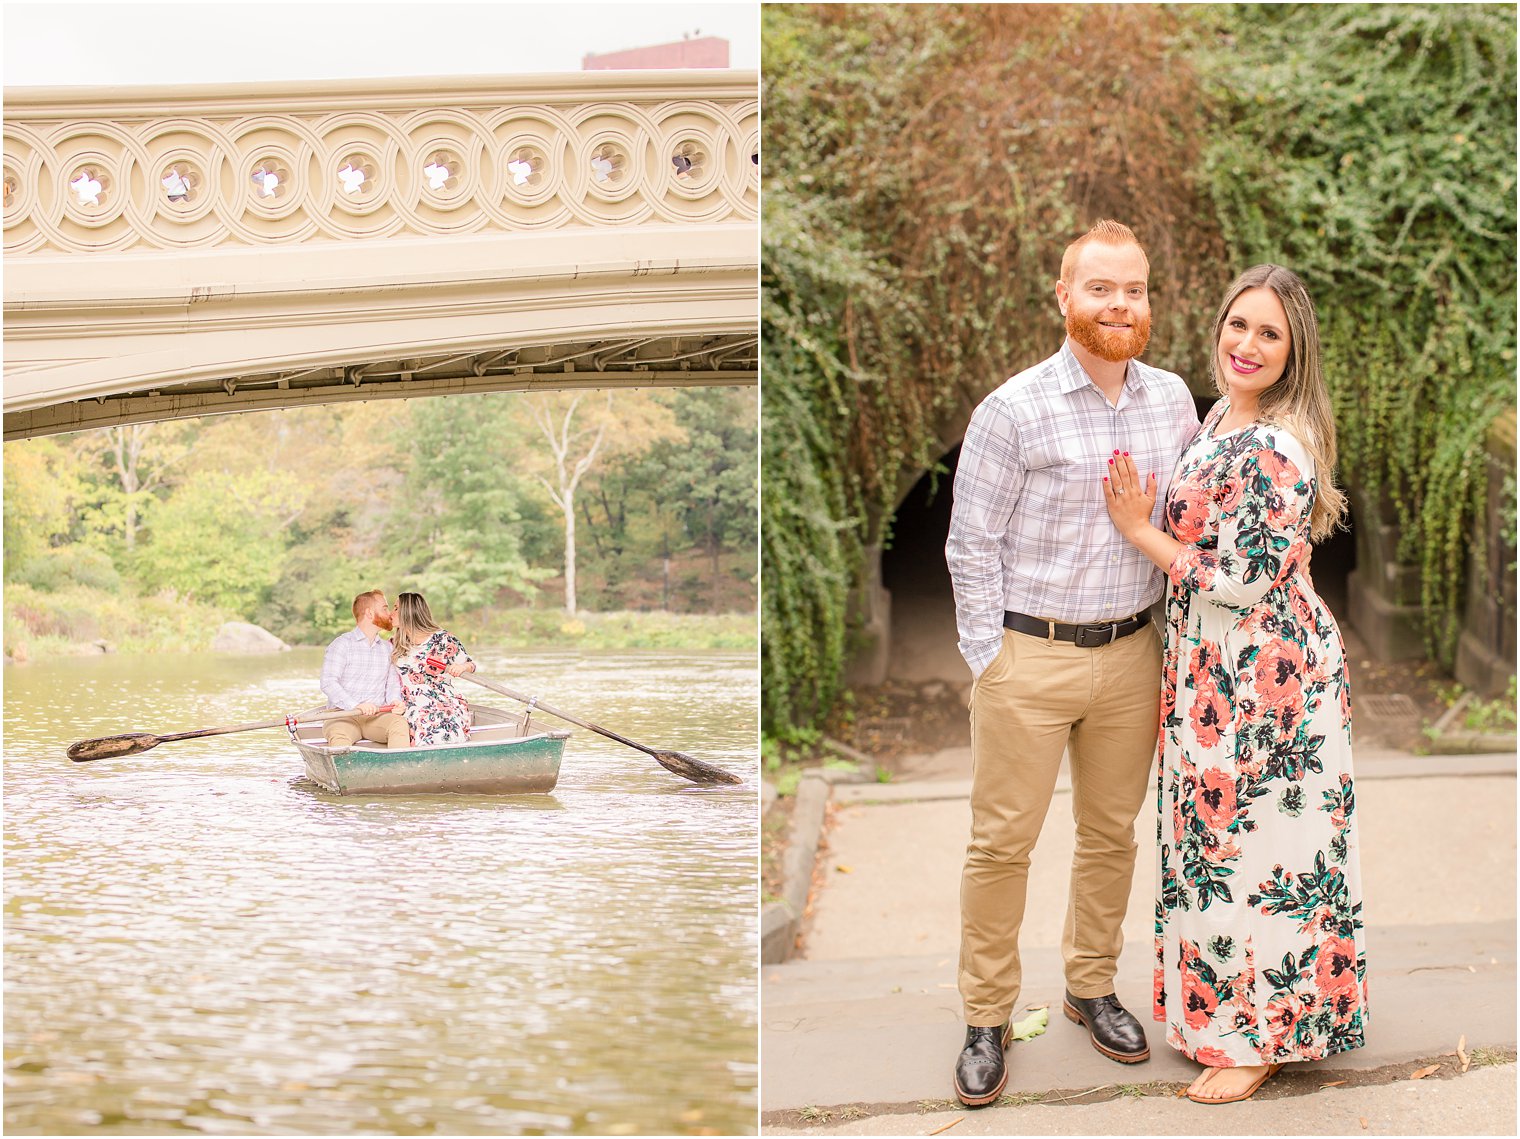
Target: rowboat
pixel 503 756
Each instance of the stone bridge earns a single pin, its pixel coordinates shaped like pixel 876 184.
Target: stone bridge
pixel 186 251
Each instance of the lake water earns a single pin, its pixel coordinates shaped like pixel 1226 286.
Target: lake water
pixel 198 940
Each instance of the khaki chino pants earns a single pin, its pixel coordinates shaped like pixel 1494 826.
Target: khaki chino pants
pixel 1036 699
pixel 382 728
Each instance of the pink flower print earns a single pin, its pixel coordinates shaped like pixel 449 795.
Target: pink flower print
pixel 1284 1011
pixel 1198 1000
pixel 1210 712
pixel 1279 673
pixel 1335 968
pixel 1215 799
pixel 1228 496
pixel 1188 512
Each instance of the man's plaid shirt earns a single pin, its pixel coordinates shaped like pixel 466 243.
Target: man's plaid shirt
pixel 1029 530
pixel 356 672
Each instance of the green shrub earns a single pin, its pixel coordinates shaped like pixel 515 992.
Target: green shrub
pixel 69 565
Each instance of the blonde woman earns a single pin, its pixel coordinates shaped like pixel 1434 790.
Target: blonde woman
pixel 435 713
pixel 1260 955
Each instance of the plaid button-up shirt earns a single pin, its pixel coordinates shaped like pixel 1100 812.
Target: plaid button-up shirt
pixel 1029 530
pixel 356 672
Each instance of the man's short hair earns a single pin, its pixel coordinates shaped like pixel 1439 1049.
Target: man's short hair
pixel 367 601
pixel 1107 232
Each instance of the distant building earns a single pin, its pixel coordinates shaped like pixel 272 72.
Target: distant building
pixel 705 51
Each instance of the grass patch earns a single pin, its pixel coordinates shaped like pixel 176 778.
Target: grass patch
pixel 1021 1099
pixel 1489 1057
pixel 812 1114
pixel 40 624
pixel 552 628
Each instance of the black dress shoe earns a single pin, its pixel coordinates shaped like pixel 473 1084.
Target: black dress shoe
pixel 980 1071
pixel 1115 1033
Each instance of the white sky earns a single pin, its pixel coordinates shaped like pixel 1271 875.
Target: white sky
pixel 69 44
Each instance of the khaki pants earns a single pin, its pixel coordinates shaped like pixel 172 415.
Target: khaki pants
pixel 382 728
pixel 1035 700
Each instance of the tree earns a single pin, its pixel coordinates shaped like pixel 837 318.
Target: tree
pixel 458 528
pixel 574 444
pixel 713 475
pixel 142 454
pixel 40 486
pixel 211 540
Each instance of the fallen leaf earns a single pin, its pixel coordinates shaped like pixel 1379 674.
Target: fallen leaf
pixel 1364 1123
pixel 1462 1052
pixel 1423 1072
pixel 947 1126
pixel 1036 1008
pixel 844 869
pixel 1335 1084
pixel 1031 1026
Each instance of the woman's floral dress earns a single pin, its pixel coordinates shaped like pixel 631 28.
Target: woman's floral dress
pixel 1260 953
pixel 435 713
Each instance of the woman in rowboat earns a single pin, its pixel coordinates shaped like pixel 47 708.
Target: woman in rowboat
pixel 435 713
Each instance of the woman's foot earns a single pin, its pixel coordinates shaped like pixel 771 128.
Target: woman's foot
pixel 1228 1085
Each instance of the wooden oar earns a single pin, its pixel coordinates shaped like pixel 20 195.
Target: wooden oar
pixel 134 743
pixel 683 765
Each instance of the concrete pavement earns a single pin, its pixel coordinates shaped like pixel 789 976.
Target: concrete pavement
pixel 860 1032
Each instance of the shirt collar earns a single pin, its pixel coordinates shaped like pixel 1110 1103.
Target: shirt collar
pixel 1073 376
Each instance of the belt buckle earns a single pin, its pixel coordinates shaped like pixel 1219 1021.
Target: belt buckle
pixel 1097 632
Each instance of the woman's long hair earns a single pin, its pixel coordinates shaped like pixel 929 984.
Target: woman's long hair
pixel 414 621
pixel 1299 400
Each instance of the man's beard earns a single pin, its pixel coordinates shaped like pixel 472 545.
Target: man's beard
pixel 383 621
pixel 1109 344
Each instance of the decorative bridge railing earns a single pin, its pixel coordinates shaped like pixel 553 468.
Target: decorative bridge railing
pixel 196 167
pixel 188 251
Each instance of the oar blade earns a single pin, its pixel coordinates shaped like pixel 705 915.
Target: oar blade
pixel 108 747
pixel 693 769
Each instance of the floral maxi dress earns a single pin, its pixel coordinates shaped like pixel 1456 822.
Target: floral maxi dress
pixel 435 713
pixel 1260 955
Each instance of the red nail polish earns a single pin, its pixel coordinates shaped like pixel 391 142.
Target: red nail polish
pixel 1110 462
pixel 1126 454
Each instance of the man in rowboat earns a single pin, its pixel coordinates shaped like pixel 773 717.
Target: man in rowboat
pixel 357 675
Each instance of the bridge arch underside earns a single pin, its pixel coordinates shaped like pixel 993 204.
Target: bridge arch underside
pixel 105 340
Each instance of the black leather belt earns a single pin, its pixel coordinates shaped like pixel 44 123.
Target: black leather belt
pixel 1083 636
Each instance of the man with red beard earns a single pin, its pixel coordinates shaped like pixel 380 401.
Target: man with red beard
pixel 1052 606
pixel 358 675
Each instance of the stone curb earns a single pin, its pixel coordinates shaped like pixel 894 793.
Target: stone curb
pixel 781 921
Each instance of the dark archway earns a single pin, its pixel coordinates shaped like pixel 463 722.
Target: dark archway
pixel 923 607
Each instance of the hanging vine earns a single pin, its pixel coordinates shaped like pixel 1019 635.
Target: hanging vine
pixel 926 165
pixel 1371 148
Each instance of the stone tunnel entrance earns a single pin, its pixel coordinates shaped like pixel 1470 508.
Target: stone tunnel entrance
pixel 922 634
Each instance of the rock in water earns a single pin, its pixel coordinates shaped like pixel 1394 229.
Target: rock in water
pixel 241 637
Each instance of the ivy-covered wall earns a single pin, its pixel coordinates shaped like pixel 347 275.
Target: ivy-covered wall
pixel 926 165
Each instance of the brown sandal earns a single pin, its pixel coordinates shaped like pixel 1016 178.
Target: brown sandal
pixel 1247 1094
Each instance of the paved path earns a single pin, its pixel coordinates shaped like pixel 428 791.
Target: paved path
pixel 867 1020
